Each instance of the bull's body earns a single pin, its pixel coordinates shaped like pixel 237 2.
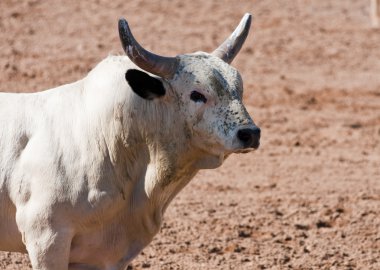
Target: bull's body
pixel 88 169
pixel 61 153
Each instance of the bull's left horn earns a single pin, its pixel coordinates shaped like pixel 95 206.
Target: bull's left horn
pixel 159 65
pixel 232 45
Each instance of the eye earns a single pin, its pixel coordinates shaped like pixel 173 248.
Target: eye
pixel 197 97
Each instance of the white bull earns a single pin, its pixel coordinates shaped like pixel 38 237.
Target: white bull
pixel 87 169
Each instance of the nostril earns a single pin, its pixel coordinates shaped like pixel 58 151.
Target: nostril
pixel 250 137
pixel 256 131
pixel 245 135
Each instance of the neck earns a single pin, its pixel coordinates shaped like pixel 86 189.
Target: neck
pixel 152 158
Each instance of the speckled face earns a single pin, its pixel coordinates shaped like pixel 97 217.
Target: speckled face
pixel 210 97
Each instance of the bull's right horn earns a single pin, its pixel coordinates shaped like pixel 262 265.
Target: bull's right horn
pixel 158 65
pixel 232 45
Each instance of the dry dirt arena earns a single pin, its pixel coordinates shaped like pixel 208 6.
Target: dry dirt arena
pixel 309 198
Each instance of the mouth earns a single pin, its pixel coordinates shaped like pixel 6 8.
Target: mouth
pixel 223 151
pixel 244 151
pixel 247 150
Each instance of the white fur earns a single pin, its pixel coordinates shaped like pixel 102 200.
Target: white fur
pixel 87 169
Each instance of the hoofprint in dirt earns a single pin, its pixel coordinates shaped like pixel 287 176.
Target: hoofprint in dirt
pixel 309 198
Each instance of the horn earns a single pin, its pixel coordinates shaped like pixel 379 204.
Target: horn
pixel 158 65
pixel 232 45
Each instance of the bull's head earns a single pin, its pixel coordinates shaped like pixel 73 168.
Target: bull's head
pixel 207 89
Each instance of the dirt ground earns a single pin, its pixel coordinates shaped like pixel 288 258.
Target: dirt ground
pixel 309 198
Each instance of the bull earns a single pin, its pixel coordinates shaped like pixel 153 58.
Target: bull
pixel 88 169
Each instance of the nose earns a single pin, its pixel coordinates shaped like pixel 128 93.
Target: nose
pixel 250 137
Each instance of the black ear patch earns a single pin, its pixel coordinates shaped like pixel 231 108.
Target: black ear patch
pixel 144 85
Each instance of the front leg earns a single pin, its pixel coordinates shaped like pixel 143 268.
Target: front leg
pixel 47 240
pixel 48 250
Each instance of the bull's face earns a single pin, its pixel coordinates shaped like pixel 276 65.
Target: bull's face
pixel 210 96
pixel 206 90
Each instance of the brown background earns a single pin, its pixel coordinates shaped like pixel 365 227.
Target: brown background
pixel 310 197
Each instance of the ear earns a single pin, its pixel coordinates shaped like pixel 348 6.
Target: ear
pixel 144 85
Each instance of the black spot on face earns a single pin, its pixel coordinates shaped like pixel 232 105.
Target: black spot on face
pixel 218 83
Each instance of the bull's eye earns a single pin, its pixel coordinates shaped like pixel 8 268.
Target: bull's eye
pixel 197 97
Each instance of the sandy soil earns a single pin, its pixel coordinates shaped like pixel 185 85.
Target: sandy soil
pixel 310 197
